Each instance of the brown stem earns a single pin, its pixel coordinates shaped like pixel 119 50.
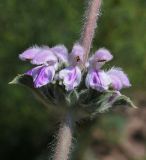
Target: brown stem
pixel 91 17
pixel 64 139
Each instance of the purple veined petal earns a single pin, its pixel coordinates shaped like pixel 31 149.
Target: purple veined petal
pixel 45 76
pixel 61 53
pixel 100 57
pixel 30 53
pixel 42 75
pixel 97 80
pixel 119 78
pixel 34 72
pixel 77 55
pixel 44 56
pixel 71 77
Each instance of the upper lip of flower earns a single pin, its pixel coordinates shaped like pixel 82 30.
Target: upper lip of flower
pixel 100 60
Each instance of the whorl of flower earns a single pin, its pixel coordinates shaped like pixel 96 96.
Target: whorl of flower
pixel 55 64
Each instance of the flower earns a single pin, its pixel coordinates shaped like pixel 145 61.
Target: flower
pixel 118 78
pixel 97 80
pixel 47 62
pixel 71 75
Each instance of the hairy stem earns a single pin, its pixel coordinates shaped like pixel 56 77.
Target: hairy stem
pixel 91 17
pixel 64 139
pixel 66 128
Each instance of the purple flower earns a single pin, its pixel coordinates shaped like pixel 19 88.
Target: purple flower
pixel 76 56
pixel 42 75
pixel 97 80
pixel 47 64
pixel 61 53
pixel 50 59
pixel 118 78
pixel 71 77
pixel 100 57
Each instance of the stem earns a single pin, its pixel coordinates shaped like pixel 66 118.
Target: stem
pixel 91 17
pixel 66 128
pixel 64 139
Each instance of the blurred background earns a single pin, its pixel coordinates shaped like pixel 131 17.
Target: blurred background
pixel 27 131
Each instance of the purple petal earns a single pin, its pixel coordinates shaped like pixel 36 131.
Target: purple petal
pixel 77 54
pixel 42 75
pixel 30 53
pixel 100 57
pixel 61 53
pixel 34 72
pixel 45 56
pixel 119 78
pixel 103 55
pixel 97 80
pixel 71 77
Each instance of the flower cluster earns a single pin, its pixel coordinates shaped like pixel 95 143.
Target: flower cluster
pixel 55 65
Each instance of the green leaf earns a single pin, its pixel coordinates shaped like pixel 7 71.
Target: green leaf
pixel 27 81
pixel 88 98
pixel 59 94
pixel 127 100
pixel 110 99
pixel 23 79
